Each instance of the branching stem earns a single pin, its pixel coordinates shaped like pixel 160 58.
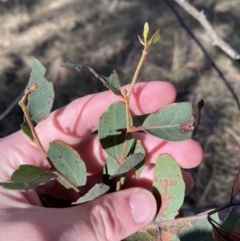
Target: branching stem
pixel 29 120
pixel 126 96
pixel 35 136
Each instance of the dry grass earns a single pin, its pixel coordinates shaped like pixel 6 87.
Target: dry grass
pixel 103 34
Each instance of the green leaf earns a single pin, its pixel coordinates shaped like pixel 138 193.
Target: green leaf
pixel 198 229
pixel 112 83
pixel 155 37
pixel 174 238
pixel 173 122
pixel 231 220
pixel 68 162
pixel 97 191
pixel 194 228
pixel 148 233
pixel 168 182
pixel 40 100
pixel 28 177
pixel 140 40
pixel 26 130
pixel 138 148
pixel 130 162
pixel 112 131
pixel 111 166
pixel 145 32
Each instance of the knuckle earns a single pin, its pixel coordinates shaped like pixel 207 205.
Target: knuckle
pixel 105 221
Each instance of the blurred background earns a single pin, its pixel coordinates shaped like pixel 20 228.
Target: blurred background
pixel 103 34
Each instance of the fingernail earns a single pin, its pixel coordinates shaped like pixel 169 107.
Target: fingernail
pixel 143 206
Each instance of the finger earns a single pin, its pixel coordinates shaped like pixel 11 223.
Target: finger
pixel 76 120
pixel 188 154
pixel 111 217
pixel 146 180
pixel 80 118
pixel 188 179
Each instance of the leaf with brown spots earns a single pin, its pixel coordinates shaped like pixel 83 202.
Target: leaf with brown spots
pixel 67 161
pixel 173 122
pixel 40 101
pixel 169 185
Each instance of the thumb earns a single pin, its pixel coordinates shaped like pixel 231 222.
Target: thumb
pixel 111 217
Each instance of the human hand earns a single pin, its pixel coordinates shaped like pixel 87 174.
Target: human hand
pixel 110 217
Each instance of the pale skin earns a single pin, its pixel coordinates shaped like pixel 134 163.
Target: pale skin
pixel 111 217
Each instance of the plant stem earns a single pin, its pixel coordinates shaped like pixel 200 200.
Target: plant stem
pixel 61 176
pixel 137 71
pixel 118 184
pixel 30 123
pixel 126 96
pixel 35 136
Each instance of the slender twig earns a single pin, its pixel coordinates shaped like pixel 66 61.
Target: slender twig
pixel 201 18
pixel 126 97
pixel 36 139
pixel 61 176
pixel 206 54
pixel 9 108
pixel 137 71
pixel 29 120
pixel 118 184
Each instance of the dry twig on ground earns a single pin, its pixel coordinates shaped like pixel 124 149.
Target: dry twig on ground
pixel 201 18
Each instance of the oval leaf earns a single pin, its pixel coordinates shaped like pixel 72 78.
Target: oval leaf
pixel 155 37
pixel 168 181
pixel 130 162
pixel 173 122
pixel 67 161
pixel 28 177
pixel 145 32
pixel 112 83
pixel 112 132
pixel 96 191
pixel 111 166
pixel 40 100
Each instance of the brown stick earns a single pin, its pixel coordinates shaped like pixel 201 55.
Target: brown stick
pixel 201 18
pixel 10 107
